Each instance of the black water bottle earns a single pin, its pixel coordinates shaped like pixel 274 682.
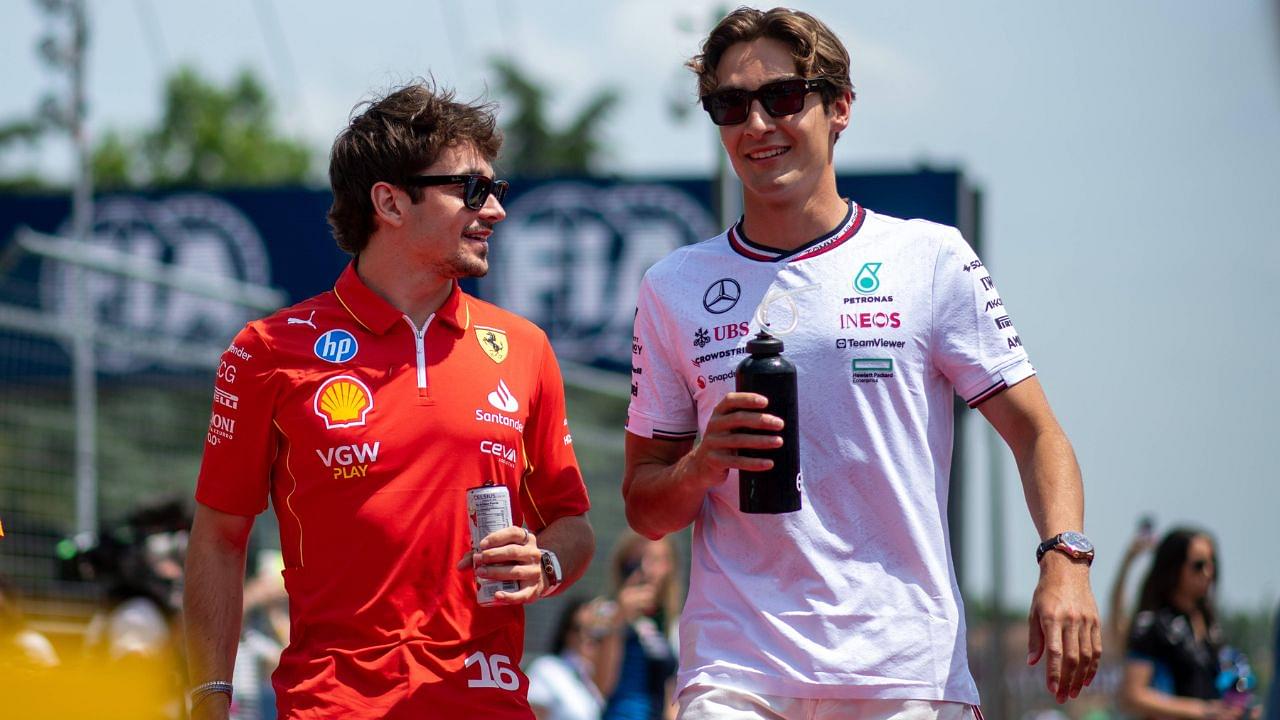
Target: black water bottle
pixel 776 490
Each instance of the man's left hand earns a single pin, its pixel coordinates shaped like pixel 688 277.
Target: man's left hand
pixel 1064 626
pixel 509 554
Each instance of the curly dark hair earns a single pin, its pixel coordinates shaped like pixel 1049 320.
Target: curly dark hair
pixel 392 137
pixel 817 51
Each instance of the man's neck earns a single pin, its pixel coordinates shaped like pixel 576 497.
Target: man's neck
pixel 787 225
pixel 416 292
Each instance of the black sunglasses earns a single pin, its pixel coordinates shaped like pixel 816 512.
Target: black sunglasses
pixel 477 190
pixel 779 98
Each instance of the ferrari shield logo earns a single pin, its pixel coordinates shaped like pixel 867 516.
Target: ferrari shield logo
pixel 493 341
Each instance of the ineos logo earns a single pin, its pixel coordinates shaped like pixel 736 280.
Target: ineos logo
pixel 722 296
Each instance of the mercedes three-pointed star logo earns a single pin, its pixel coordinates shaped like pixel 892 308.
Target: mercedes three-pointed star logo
pixel 721 296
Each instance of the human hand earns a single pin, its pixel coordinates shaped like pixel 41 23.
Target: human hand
pixel 636 597
pixel 1218 710
pixel 1064 626
pixel 510 553
pixel 716 453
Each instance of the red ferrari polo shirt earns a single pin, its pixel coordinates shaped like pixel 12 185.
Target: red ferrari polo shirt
pixel 366 433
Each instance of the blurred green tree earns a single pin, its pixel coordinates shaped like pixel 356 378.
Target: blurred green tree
pixel 207 136
pixel 13 132
pixel 533 146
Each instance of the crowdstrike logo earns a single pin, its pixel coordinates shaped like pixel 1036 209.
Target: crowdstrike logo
pixel 502 398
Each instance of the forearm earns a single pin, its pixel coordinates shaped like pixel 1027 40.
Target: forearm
pixel 574 543
pixel 1051 482
pixel 661 499
pixel 212 606
pixel 1148 702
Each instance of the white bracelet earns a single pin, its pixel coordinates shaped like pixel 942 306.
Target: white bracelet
pixel 213 687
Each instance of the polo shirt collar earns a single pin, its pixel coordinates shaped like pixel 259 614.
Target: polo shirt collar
pixel 378 316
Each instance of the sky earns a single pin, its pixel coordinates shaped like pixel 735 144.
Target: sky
pixel 1129 155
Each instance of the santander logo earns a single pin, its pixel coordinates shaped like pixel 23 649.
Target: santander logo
pixel 502 398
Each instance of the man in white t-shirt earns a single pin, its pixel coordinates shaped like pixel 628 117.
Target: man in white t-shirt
pixel 848 607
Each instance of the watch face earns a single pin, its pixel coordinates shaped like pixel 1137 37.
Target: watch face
pixel 1077 542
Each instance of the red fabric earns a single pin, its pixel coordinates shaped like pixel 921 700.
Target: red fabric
pixel 368 474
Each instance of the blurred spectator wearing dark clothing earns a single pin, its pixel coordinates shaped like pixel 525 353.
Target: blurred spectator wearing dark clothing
pixel 1174 640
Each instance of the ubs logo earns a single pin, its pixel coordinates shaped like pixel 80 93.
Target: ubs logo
pixel 722 296
pixel 191 234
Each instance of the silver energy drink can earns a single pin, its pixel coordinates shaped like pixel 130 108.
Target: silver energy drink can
pixel 489 510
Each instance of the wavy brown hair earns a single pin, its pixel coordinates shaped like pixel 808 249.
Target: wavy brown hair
pixel 817 51
pixel 392 137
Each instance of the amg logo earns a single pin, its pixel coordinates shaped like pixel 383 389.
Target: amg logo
pixel 1015 342
pixel 1003 322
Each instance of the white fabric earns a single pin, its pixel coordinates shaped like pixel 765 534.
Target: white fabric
pixel 559 689
pixel 711 703
pixel 854 596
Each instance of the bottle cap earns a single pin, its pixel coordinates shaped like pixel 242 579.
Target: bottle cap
pixel 764 344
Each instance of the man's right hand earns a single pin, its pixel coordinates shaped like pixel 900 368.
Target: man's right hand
pixel 716 453
pixel 665 482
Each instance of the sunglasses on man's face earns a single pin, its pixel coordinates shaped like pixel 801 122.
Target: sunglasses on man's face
pixel 779 98
pixel 476 190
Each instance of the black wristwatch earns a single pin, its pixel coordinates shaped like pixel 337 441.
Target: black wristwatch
pixel 551 574
pixel 1072 544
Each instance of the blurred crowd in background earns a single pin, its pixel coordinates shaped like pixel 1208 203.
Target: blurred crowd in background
pixel 609 652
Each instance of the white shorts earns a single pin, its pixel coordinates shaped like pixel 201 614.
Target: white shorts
pixel 702 702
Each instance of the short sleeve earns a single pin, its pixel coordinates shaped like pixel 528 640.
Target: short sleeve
pixel 662 406
pixel 241 441
pixel 553 485
pixel 975 344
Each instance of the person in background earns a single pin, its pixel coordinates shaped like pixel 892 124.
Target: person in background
pixel 1273 696
pixel 562 684
pixel 21 648
pixel 637 660
pixel 1117 627
pixel 1174 640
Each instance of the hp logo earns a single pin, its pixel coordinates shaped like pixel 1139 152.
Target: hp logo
pixel 336 346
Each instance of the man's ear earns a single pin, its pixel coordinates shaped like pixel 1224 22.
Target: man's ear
pixel 389 203
pixel 839 111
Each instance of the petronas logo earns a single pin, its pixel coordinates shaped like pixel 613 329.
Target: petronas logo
pixel 866 281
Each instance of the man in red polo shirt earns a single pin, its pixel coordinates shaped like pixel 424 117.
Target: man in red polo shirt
pixel 365 414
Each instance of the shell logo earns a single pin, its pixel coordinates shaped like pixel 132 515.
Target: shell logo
pixel 343 401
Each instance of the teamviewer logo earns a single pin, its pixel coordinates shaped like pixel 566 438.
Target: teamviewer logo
pixel 503 400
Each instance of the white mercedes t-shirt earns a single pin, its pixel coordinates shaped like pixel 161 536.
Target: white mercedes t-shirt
pixel 854 596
